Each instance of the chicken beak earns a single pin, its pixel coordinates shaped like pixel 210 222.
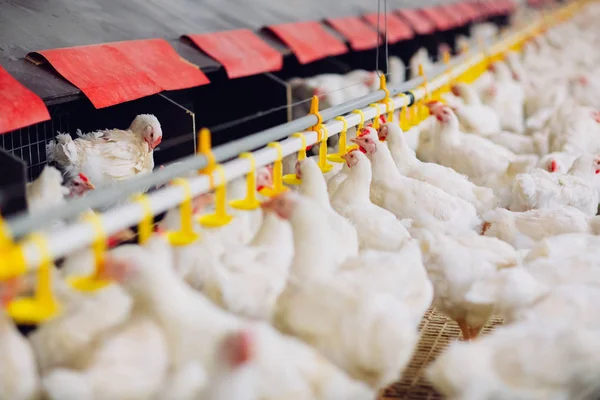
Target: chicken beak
pixel 432 105
pixel 267 205
pixel 345 156
pixel 360 142
pixel 10 290
pixel 90 185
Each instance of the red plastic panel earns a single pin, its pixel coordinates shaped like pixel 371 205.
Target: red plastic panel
pixel 498 7
pixel 358 33
pixel 19 106
pixel 492 8
pixel 241 52
pixel 114 73
pixel 468 10
pixel 485 10
pixel 440 19
pixel 456 16
pixel 509 6
pixel 419 23
pixel 397 29
pixel 309 41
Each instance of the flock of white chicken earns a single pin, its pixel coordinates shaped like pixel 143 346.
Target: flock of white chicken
pixel 318 294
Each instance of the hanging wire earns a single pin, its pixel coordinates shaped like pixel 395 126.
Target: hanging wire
pixel 385 38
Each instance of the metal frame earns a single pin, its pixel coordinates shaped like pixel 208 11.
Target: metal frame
pixel 80 234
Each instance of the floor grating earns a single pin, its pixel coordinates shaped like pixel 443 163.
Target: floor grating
pixel 437 331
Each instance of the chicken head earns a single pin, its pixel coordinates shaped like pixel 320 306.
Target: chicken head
pixel 264 177
pixel 199 203
pixel 433 105
pixel 282 205
pixel 116 269
pixel 80 185
pixel 366 141
pixel 351 158
pixel 238 348
pixel 442 113
pixel 383 133
pixel 9 289
pixel 553 165
pixel 148 127
pixel 456 90
pixel 298 169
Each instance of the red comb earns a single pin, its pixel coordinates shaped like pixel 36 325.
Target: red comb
pixel 553 166
pixel 363 132
pixel 434 103
pixel 309 147
pixel 382 119
pixel 83 177
pixel 112 242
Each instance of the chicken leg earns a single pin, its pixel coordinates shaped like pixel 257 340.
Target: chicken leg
pixel 468 332
pixel 464 328
pixel 474 332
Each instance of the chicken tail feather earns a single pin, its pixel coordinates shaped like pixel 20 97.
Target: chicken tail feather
pixel 62 150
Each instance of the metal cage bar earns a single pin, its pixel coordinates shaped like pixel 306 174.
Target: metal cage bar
pixel 79 235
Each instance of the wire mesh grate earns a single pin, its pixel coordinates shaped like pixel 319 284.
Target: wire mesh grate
pixel 437 332
pixel 29 144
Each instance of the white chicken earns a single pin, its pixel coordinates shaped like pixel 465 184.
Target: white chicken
pixel 472 114
pixel 48 190
pixel 557 162
pixel 521 361
pixel 565 245
pixel 313 186
pixel 502 184
pixel 245 280
pixel 133 359
pixel 235 375
pixel 108 156
pixel 574 129
pixel 472 155
pixel 437 175
pixel 520 144
pixel 541 189
pixel 67 340
pixel 523 229
pixel 19 378
pixel 405 197
pixel 454 265
pixel 377 228
pixel 193 327
pixel 507 98
pixel 315 304
pixel 515 291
